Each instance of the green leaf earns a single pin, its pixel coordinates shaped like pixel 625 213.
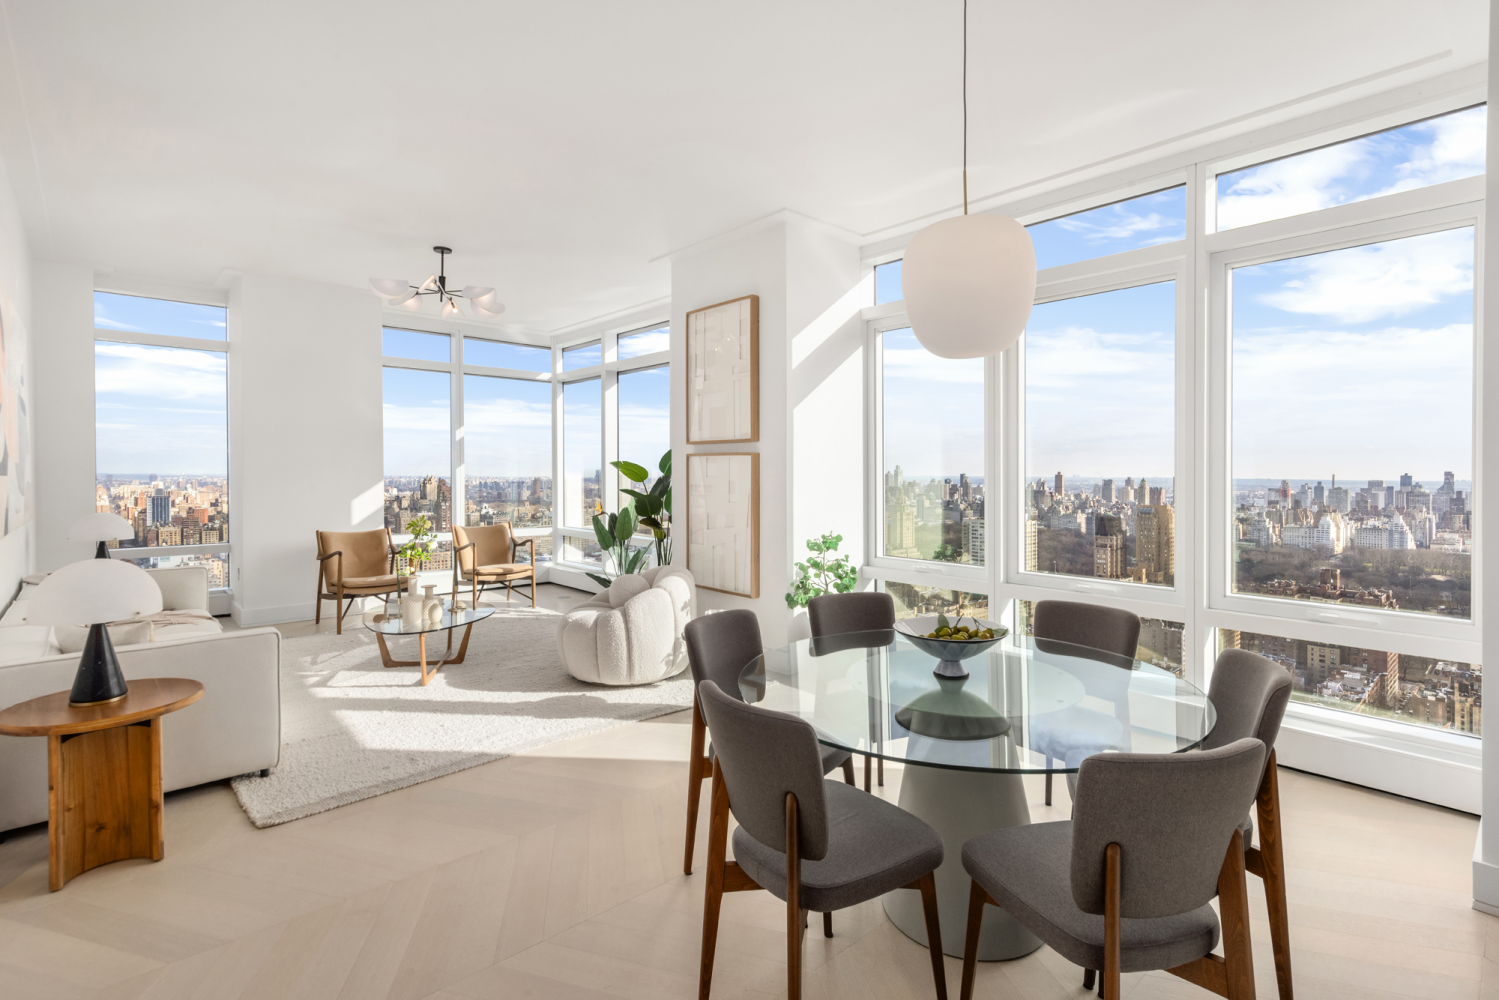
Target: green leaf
pixel 602 581
pixel 651 522
pixel 942 621
pixel 602 533
pixel 636 494
pixel 666 505
pixel 625 524
pixel 634 473
pixel 665 465
pixel 660 486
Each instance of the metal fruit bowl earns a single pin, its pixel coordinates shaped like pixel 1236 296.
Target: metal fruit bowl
pixel 948 651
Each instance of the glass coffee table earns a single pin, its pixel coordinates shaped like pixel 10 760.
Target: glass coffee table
pixel 383 624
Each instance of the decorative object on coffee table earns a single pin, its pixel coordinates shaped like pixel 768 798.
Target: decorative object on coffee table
pixel 383 625
pixel 723 372
pixel 102 527
pixel 94 592
pixel 104 799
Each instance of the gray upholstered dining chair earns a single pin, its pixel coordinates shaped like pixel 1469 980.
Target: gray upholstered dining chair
pixel 719 645
pixel 854 614
pixel 1091 625
pixel 1250 693
pixel 815 844
pixel 1125 885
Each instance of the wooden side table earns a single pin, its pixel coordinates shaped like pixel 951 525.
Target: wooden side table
pixel 104 800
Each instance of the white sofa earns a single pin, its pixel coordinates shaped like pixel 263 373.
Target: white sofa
pixel 235 729
pixel 632 632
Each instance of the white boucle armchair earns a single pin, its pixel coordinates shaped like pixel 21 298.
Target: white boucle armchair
pixel 632 632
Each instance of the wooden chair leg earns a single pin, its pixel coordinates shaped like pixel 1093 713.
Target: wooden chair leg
pixel 867 759
pixel 977 897
pixel 317 614
pixel 1111 927
pixel 718 839
pixel 533 588
pixel 1048 782
pixel 795 915
pixel 695 777
pixel 881 765
pixel 827 925
pixel 1233 907
pixel 338 606
pixel 1273 874
pixel 1088 976
pixel 848 770
pixel 928 885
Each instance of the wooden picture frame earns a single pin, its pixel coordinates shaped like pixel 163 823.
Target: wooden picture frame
pixel 723 525
pixel 723 372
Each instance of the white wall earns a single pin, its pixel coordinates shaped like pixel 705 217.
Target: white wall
pixel 63 401
pixel 16 548
pixel 305 435
pixel 811 410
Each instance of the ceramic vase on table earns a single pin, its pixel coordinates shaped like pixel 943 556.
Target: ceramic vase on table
pixel 429 602
pixel 411 605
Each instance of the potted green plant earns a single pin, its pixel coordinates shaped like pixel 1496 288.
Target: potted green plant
pixel 821 573
pixel 418 549
pixel 653 507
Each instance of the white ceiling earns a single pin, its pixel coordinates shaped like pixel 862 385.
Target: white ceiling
pixel 560 147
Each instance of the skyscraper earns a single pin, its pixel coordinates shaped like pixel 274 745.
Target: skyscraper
pixel 1406 482
pixel 1108 491
pixel 161 507
pixel 1319 494
pixel 1108 546
pixel 1142 493
pixel 1155 543
pixel 1061 485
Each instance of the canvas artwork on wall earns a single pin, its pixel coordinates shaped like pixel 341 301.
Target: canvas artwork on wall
pixel 723 522
pixel 723 366
pixel 15 428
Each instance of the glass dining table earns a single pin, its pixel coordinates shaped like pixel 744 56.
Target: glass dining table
pixel 1027 706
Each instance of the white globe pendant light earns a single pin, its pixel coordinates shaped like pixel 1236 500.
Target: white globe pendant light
pixel 969 281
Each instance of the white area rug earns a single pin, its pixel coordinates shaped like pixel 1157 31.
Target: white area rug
pixel 352 729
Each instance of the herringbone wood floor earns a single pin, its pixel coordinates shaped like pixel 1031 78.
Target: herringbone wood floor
pixel 556 874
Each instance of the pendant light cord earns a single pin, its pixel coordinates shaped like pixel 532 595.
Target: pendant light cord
pixel 965 107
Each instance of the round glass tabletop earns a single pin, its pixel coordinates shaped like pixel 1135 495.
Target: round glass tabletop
pixel 389 622
pixel 1027 706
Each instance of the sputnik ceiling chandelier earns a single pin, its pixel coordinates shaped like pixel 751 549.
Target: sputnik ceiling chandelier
pixel 970 280
pixel 398 292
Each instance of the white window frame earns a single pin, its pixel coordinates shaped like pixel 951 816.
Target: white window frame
pixel 1405 758
pixel 198 297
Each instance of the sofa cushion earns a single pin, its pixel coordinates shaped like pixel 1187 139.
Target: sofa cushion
pixel 625 587
pixel 71 638
pixel 25 643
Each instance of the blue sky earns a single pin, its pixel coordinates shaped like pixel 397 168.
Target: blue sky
pixel 934 411
pixel 136 314
pixel 1127 225
pixel 493 354
pixel 1357 362
pixel 645 416
pixel 417 414
pixel 1430 152
pixel 507 428
pixel 160 409
pixel 1100 384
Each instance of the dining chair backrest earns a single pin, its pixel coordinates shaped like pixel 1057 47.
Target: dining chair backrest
pixel 1249 693
pixel 764 755
pixel 834 614
pixel 1094 625
pixel 1172 816
pixel 719 645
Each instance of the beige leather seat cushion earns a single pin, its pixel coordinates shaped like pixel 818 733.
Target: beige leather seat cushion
pixel 367 582
pixel 505 569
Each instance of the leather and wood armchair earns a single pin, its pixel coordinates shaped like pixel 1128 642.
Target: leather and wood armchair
pixel 486 556
pixel 354 564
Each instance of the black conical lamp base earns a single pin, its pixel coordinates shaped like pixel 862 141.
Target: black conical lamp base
pixel 99 679
pixel 102 550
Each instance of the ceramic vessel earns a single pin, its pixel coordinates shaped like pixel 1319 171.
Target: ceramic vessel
pixel 949 652
pixel 411 606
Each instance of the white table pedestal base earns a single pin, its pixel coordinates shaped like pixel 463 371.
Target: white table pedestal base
pixel 960 805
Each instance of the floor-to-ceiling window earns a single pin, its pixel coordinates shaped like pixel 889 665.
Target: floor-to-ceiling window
pixel 161 429
pixel 1245 408
pixel 468 437
pixel 614 404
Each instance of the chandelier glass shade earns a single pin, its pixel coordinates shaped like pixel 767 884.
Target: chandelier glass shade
pixel 969 281
pixel 481 299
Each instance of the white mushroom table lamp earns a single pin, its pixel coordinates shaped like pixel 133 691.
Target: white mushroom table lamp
pixel 93 592
pixel 103 528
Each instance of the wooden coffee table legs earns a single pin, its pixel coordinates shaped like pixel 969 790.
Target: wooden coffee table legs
pixel 103 798
pixel 424 663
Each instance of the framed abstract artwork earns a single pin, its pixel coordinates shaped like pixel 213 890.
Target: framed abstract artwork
pixel 723 372
pixel 723 522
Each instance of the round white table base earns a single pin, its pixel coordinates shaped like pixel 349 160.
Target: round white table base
pixel 960 805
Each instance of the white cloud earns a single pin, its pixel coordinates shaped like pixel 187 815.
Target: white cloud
pixel 1369 404
pixel 161 373
pixel 1379 281
pixel 1121 224
pixel 648 342
pixel 1297 184
pixel 1457 148
pixel 418 417
pixel 920 365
